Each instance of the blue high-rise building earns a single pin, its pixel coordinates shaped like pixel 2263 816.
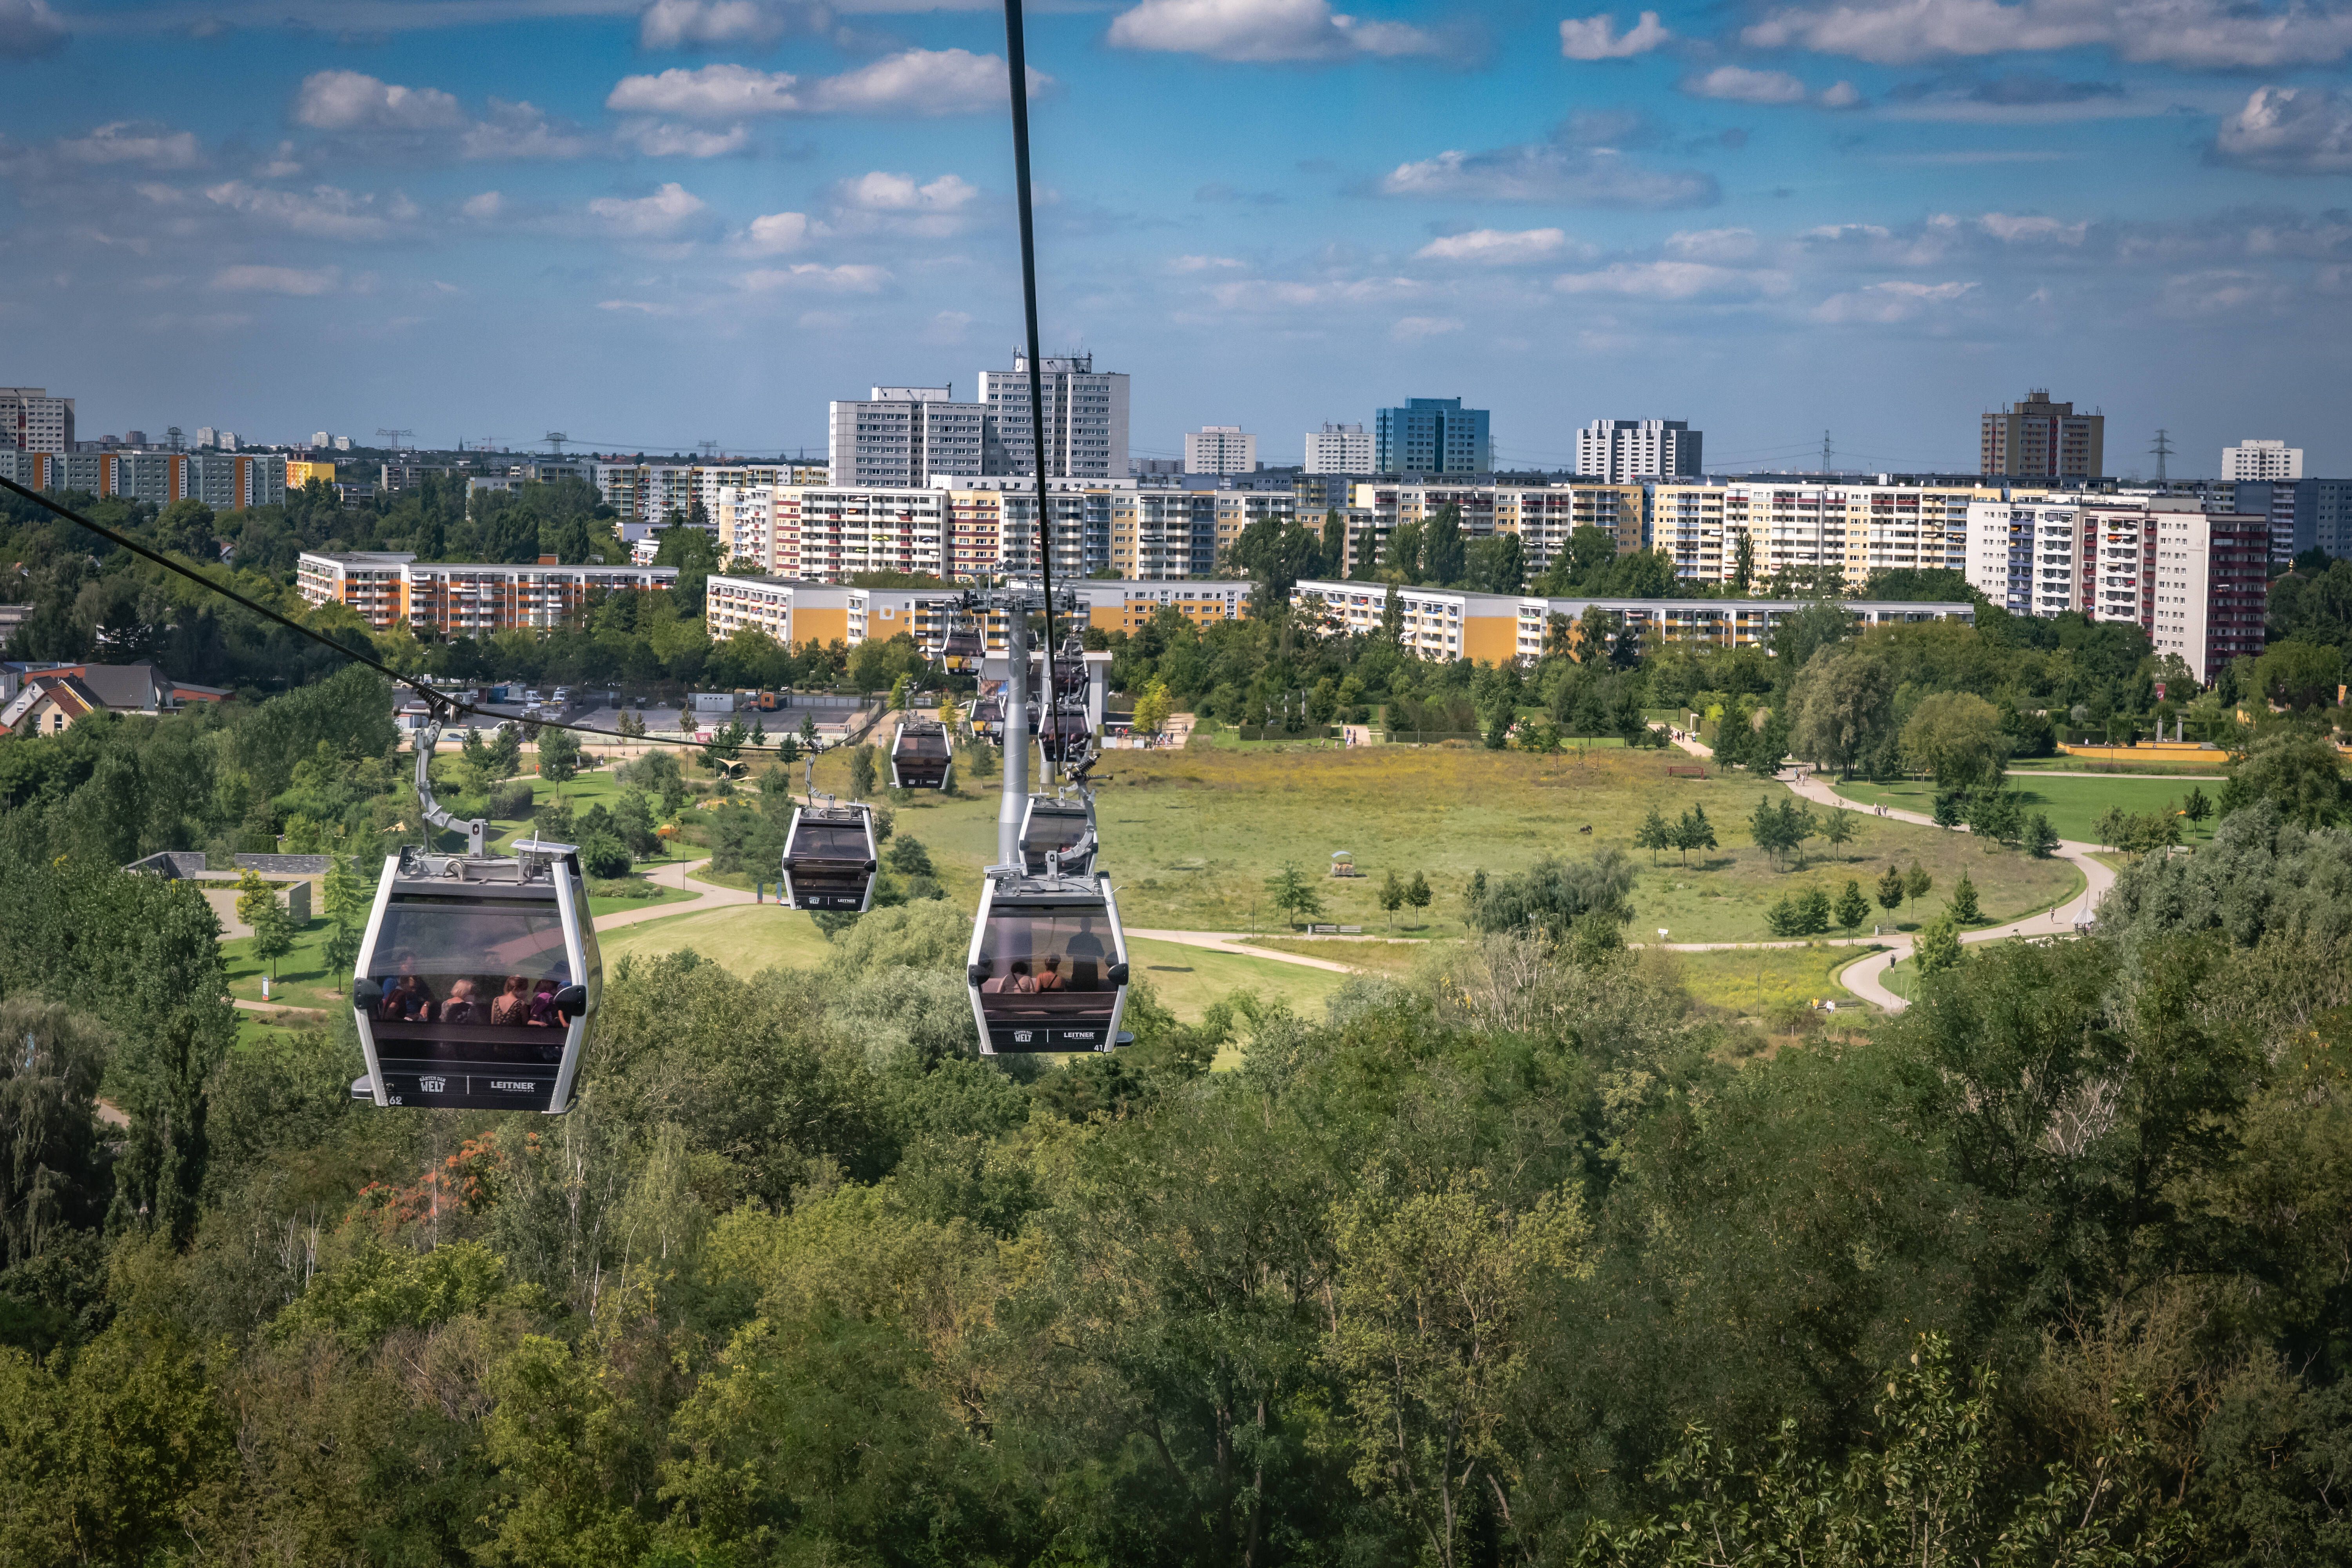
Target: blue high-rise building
pixel 1432 436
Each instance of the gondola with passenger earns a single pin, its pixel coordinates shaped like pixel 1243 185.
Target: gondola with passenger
pixel 1048 968
pixel 919 756
pixel 1063 737
pixel 1060 825
pixel 478 976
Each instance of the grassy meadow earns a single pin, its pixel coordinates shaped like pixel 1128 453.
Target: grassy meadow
pixel 2073 802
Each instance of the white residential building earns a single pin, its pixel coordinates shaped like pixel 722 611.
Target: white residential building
pixel 33 421
pixel 1085 418
pixel 2027 553
pixel 1220 449
pixel 1339 449
pixel 2254 459
pixel 904 435
pixel 1627 451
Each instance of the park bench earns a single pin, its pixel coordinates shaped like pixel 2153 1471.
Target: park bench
pixel 1687 773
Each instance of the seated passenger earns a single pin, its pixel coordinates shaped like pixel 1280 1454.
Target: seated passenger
pixel 543 1015
pixel 1049 975
pixel 1018 980
pixel 513 1004
pixel 409 1000
pixel 1085 962
pixel 462 1007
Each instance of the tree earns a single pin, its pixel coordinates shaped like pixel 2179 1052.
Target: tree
pixel 2297 770
pixel 1444 555
pixel 2199 805
pixel 1815 910
pixel 1555 897
pixel 273 925
pixel 1963 904
pixel 2040 839
pixel 1956 737
pixel 1766 827
pixel 861 773
pixel 1292 892
pixel 1151 709
pixel 902 692
pixel 1654 834
pixel 1997 814
pixel 1852 906
pixel 1840 827
pixel 1743 562
pixel 1693 831
pixel 348 898
pixel 1435 1299
pixel 1418 892
pixel 559 755
pixel 1892 890
pixel 1917 882
pixel 1938 947
pixel 2299 675
pixel 1392 895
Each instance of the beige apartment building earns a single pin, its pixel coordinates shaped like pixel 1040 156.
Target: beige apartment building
pixel 1857 529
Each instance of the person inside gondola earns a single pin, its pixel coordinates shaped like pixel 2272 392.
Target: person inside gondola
pixel 462 1007
pixel 409 1000
pixel 543 1015
pixel 513 1004
pixel 1049 975
pixel 1085 962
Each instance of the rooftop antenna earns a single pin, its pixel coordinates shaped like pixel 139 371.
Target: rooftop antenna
pixel 398 440
pixel 555 440
pixel 2162 450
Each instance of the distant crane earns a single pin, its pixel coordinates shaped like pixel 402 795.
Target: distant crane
pixel 482 444
pixel 555 440
pixel 2162 451
pixel 396 440
pixel 710 449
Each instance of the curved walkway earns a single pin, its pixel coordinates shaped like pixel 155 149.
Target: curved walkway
pixel 674 874
pixel 1228 941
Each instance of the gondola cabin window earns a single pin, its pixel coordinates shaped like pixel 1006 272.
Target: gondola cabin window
pixel 486 973
pixel 1046 980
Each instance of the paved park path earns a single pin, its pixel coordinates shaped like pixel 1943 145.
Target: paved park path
pixel 1864 978
pixel 674 874
pixel 1239 943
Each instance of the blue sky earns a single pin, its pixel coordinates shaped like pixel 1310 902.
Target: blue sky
pixel 654 225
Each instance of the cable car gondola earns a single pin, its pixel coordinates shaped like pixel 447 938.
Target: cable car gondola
pixel 988 719
pixel 829 858
pixel 919 758
pixel 1047 967
pixel 477 975
pixel 1064 738
pixel 962 646
pixel 1060 825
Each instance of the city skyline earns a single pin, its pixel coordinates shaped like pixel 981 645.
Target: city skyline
pixel 708 218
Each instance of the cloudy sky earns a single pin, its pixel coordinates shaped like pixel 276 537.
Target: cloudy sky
pixel 697 220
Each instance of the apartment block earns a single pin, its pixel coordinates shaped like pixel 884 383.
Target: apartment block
pixel 2025 554
pixel 224 481
pixel 836 531
pixel 904 435
pixel 33 421
pixel 1449 623
pixel 1627 451
pixel 1432 436
pixel 1807 524
pixel 1157 535
pixel 2040 440
pixel 2257 459
pixel 1339 449
pixel 1220 449
pixel 471 599
pixel 796 611
pixel 2210 588
pixel 1085 419
pixel 2305 514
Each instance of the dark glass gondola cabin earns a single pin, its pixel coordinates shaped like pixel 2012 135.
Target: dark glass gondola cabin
pixel 477 980
pixel 829 859
pixel 919 758
pixel 1047 967
pixel 1058 825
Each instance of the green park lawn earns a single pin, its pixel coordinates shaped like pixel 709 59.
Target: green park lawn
pixel 303 978
pixel 1394 959
pixel 1188 979
pixel 1189 837
pixel 1753 982
pixel 2073 802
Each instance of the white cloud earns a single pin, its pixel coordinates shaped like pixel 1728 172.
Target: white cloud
pixel 348 100
pixel 1548 172
pixel 1413 329
pixel 721 23
pixel 776 233
pixel 849 278
pixel 657 216
pixel 1260 31
pixel 1883 303
pixel 1496 246
pixel 323 212
pixel 658 139
pixel 927 82
pixel 1713 244
pixel 124 141
pixel 881 192
pixel 2223 292
pixel 521 130
pixel 1671 280
pixel 2013 229
pixel 277 279
pixel 2197 34
pixel 2289 131
pixel 712 92
pixel 1840 95
pixel 1280 294
pixel 642 307
pixel 1593 38
pixel 482 208
pixel 29 28
pixel 1741 85
pixel 1202 263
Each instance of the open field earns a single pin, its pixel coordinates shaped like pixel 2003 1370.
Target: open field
pixel 2073 800
pixel 1396 959
pixel 1188 979
pixel 1190 838
pixel 1752 982
pixel 302 975
pixel 2066 765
